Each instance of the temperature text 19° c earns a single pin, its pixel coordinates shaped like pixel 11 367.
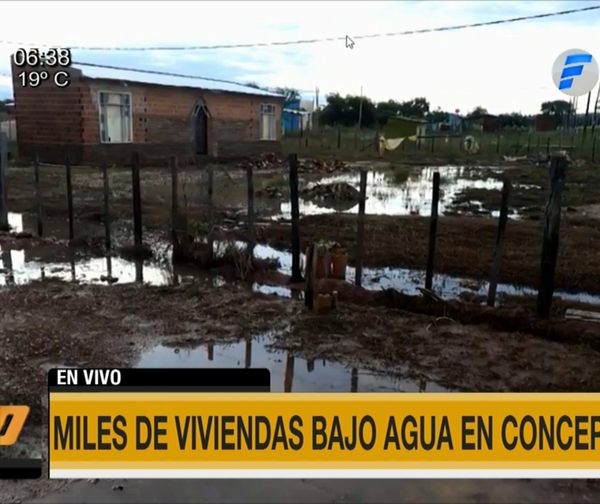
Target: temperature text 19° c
pixel 35 79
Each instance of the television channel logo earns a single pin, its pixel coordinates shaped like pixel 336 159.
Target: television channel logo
pixel 575 72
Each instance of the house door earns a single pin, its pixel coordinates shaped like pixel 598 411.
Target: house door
pixel 201 130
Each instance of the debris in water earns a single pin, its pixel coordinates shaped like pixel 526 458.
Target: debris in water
pixel 338 191
pixel 270 160
pixel 270 192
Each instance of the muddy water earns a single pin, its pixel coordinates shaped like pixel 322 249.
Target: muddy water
pixel 388 196
pixel 19 267
pixel 288 373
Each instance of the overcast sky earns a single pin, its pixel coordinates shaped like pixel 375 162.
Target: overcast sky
pixel 504 68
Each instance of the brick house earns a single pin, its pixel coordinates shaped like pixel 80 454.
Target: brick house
pixel 487 123
pixel 113 113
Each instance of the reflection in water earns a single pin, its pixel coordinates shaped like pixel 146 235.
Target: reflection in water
pixel 354 381
pixel 72 263
pixel 386 196
pixel 288 372
pixel 139 271
pixel 7 265
pixel 248 359
pixel 20 267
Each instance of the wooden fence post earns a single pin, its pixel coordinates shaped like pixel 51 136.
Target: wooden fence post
pixel 3 180
pixel 497 259
pixel 137 198
pixel 548 146
pixel 295 204
pixel 211 212
pixel 250 183
pixel 558 168
pixel 7 265
pixel 360 231
pixel 175 228
pixel 38 196
pixel 594 142
pixel 69 197
pixel 528 143
pixel 107 239
pixel 289 373
pixel 435 199
pixel 354 380
pixel 498 142
pixel 248 354
pixel 339 138
pixel 432 144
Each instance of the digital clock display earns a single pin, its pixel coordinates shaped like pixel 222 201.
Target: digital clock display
pixel 55 57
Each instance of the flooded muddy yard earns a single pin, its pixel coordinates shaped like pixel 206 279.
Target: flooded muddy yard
pixel 86 265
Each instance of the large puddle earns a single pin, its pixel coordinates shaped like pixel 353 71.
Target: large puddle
pixel 288 373
pixel 409 194
pixel 20 267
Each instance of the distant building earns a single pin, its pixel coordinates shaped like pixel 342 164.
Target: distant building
pixel 114 112
pixel 544 122
pixel 291 116
pixel 402 127
pixel 298 115
pixel 454 123
pixel 487 123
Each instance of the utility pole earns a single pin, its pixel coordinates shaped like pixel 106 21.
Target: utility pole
pixel 587 113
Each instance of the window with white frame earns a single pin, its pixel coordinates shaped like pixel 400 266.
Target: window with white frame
pixel 268 122
pixel 115 117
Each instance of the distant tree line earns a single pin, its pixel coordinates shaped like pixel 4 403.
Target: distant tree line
pixel 348 111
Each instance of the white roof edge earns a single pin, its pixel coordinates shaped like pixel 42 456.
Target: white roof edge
pixel 167 80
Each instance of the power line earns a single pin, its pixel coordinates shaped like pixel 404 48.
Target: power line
pixel 211 79
pixel 328 39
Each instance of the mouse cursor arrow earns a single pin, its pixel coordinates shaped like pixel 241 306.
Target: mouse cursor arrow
pixel 349 43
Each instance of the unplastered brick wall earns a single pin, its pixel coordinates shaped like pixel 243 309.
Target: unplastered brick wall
pixel 47 117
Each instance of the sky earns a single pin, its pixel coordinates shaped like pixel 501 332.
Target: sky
pixel 505 68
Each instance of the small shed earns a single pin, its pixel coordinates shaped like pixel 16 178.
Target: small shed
pixel 402 127
pixel 487 123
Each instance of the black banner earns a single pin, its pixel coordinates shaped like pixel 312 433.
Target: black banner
pixel 159 380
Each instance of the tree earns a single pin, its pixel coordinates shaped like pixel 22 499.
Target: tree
pixel 478 111
pixel 437 116
pixel 291 94
pixel 416 108
pixel 345 111
pixel 558 109
pixel 555 108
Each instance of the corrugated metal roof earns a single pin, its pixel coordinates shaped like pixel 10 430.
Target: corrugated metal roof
pixel 167 80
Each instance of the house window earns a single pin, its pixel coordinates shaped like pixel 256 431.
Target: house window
pixel 268 122
pixel 115 117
